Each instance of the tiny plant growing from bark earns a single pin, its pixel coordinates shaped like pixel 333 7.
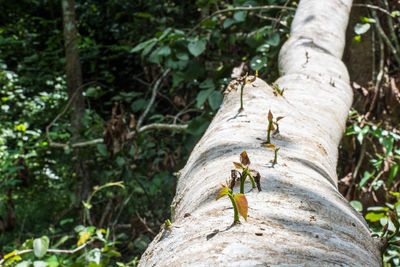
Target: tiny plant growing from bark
pixel 272 125
pixel 277 90
pixel 276 149
pixel 241 81
pixel 253 175
pixel 239 203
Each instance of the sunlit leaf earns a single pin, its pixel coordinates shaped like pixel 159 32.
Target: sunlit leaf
pixel 272 146
pixel 40 246
pixel 40 264
pixel 270 116
pixel 83 237
pixel 238 165
pixel 279 118
pixel 9 255
pixel 374 217
pixel 224 191
pixel 244 159
pixel 242 204
pixel 258 62
pixel 361 28
pixel 356 205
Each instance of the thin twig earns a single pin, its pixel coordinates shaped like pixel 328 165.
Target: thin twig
pixel 54 144
pixel 152 126
pixel 391 28
pixel 378 78
pixel 385 38
pixel 237 9
pixel 373 7
pixel 152 99
pixel 271 19
pixel 280 17
pixel 49 251
pixel 161 126
pixel 182 112
pixel 143 221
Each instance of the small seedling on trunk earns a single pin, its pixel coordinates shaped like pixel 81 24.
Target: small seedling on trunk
pixel 272 125
pixel 241 81
pixel 276 149
pixel 277 90
pixel 239 203
pixel 253 175
pixel 307 59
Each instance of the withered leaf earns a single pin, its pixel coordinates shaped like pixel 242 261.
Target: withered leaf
pixel 257 179
pixel 234 177
pixel 132 122
pixel 244 159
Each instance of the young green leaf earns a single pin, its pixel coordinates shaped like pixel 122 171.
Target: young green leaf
pixel 224 191
pixel 242 205
pixel 244 159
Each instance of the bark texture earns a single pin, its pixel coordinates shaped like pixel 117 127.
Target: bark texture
pixel 299 218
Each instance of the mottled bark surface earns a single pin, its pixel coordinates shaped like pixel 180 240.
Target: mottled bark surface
pixel 300 218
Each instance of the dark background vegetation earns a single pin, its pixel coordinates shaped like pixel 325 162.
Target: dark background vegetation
pixel 114 191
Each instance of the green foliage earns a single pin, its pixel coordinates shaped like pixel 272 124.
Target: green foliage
pixel 124 46
pixel 379 178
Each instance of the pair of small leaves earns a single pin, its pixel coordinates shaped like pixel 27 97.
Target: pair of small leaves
pixel 277 91
pixel 244 161
pixel 271 117
pixel 240 200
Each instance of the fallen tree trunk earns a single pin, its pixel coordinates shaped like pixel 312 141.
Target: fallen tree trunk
pixel 299 218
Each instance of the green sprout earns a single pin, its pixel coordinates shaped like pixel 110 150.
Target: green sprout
pixel 276 149
pixel 277 90
pixel 242 81
pixel 253 175
pixel 239 203
pixel 271 125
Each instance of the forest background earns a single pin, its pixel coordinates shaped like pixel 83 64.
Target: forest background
pixel 89 165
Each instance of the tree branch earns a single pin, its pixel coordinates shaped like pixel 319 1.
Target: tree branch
pixel 49 251
pixel 373 7
pixel 152 99
pixel 237 9
pixel 152 126
pixel 385 38
pixel 55 144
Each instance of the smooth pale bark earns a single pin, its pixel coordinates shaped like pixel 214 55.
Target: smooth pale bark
pixel 299 218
